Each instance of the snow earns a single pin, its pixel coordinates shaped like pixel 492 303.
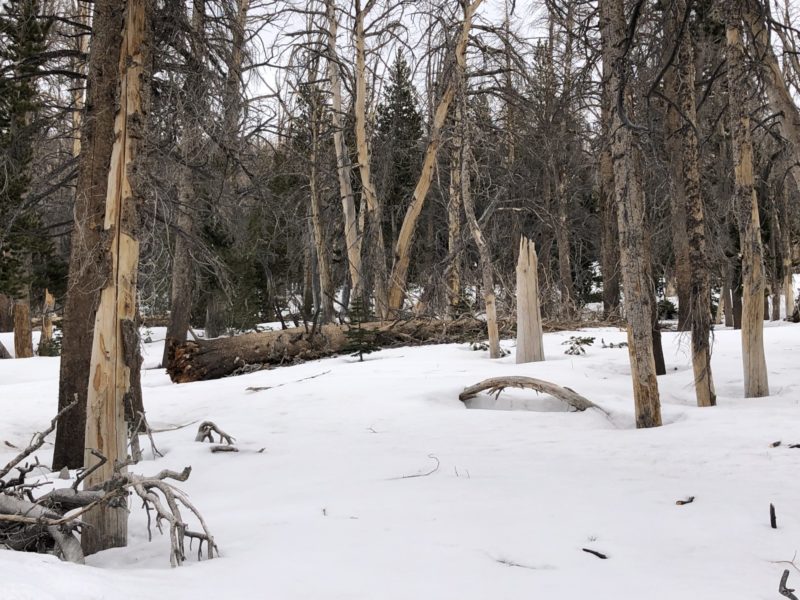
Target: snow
pixel 327 510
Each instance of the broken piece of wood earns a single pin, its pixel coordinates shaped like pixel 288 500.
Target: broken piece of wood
pixel 207 429
pixel 595 553
pixel 783 590
pixel 496 385
pixel 773 519
pixel 688 500
pixel 224 449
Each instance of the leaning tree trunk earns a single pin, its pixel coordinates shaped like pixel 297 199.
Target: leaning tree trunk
pixel 86 270
pixel 114 353
pixel 402 252
pixel 694 226
pixel 631 218
pixel 755 365
pixel 529 317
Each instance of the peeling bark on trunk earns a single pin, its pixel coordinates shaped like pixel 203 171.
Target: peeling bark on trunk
pixel 112 356
pixel 755 366
pixel 87 270
pixel 630 216
pixel 694 226
pixel 529 318
pixel 402 252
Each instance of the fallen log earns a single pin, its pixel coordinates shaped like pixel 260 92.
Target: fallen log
pixel 495 385
pixel 201 360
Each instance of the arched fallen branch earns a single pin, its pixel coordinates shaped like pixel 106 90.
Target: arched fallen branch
pixel 495 385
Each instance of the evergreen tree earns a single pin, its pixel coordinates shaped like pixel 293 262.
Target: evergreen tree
pixel 399 131
pixel 23 34
pixel 360 341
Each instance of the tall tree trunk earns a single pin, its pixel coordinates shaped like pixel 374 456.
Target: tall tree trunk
pixel 609 250
pixel 787 287
pixel 114 353
pixel 739 84
pixel 454 297
pixel 86 270
pixel 694 225
pixel 567 307
pixel 321 247
pixel 23 334
pixel 352 234
pixel 374 206
pixel 47 319
pixel 631 218
pixel 402 252
pixel 487 270
pixel 183 273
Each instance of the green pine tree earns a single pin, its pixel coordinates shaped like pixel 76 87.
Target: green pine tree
pixel 360 341
pixel 23 39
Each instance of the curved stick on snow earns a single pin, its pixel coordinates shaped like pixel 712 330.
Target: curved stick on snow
pixel 206 431
pixel 495 385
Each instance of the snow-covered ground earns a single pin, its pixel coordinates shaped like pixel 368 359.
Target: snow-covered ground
pixel 325 512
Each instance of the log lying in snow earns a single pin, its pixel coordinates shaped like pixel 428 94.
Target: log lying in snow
pixel 201 360
pixel 495 385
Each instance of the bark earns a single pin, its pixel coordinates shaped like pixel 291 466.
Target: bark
pixel 183 273
pixel 609 257
pixel 786 251
pixel 6 314
pixel 23 334
pixel 326 292
pixel 47 318
pixel 454 299
pixel 112 356
pixel 352 234
pixel 630 218
pixel 495 385
pixel 87 271
pixel 529 318
pixel 202 360
pixel 374 206
pixel 487 269
pixel 567 307
pixel 402 252
pixel 699 313
pixel 755 367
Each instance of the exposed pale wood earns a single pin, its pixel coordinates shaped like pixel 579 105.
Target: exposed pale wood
pixel 496 385
pixel 739 84
pixel 402 252
pixel 631 218
pixel 212 359
pixel 109 382
pixel 530 347
pixel 352 234
pixel 47 317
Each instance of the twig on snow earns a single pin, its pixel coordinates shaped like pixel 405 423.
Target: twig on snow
pixel 431 472
pixel 272 387
pixel 595 552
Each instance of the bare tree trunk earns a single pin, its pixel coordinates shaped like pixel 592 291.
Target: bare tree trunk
pixel 787 286
pixel 694 226
pixel 373 205
pixel 23 334
pixel 352 233
pixel 6 314
pixel 755 366
pixel 529 318
pixel 562 242
pixel 454 298
pixel 47 318
pixel 487 270
pixel 631 218
pixel 82 19
pixel 326 292
pixel 402 253
pixel 87 273
pixel 727 300
pixel 609 257
pixel 113 357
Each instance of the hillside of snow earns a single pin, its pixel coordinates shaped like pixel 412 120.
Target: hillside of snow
pixel 504 501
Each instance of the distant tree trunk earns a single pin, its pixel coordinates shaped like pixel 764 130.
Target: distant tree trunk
pixel 402 253
pixel 47 319
pixel 487 270
pixel 23 334
pixel 755 366
pixel 529 318
pixel 215 314
pixel 374 206
pixel 87 273
pixel 694 225
pixel 343 168
pixel 6 314
pixel 609 257
pixel 183 273
pixel 114 354
pixel 727 302
pixel 567 307
pixel 454 221
pixel 321 247
pixel 631 217
pixel 787 286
